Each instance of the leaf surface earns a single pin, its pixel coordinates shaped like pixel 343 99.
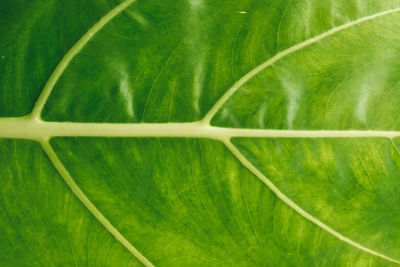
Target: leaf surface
pixel 199 133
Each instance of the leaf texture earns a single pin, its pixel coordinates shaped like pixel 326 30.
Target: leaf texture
pixel 199 133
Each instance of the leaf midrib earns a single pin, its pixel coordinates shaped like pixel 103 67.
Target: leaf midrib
pixel 27 128
pixel 14 127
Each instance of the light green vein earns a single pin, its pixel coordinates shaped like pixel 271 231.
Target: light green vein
pixel 246 163
pixel 227 95
pixel 35 117
pixel 78 46
pixel 89 205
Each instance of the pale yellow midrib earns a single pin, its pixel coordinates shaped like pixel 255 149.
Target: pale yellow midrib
pixel 32 127
pixel 28 128
pixel 41 131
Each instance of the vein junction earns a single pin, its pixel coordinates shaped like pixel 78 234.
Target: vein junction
pixel 36 129
pixel 33 128
pixel 34 124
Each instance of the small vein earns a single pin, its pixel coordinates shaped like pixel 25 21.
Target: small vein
pixel 279 26
pixel 395 147
pixel 246 163
pixel 76 48
pixel 158 77
pixel 89 205
pixel 225 97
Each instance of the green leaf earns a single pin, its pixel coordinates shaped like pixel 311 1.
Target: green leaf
pixel 42 222
pixel 199 133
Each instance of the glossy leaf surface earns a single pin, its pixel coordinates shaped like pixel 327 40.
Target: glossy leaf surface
pixel 199 133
